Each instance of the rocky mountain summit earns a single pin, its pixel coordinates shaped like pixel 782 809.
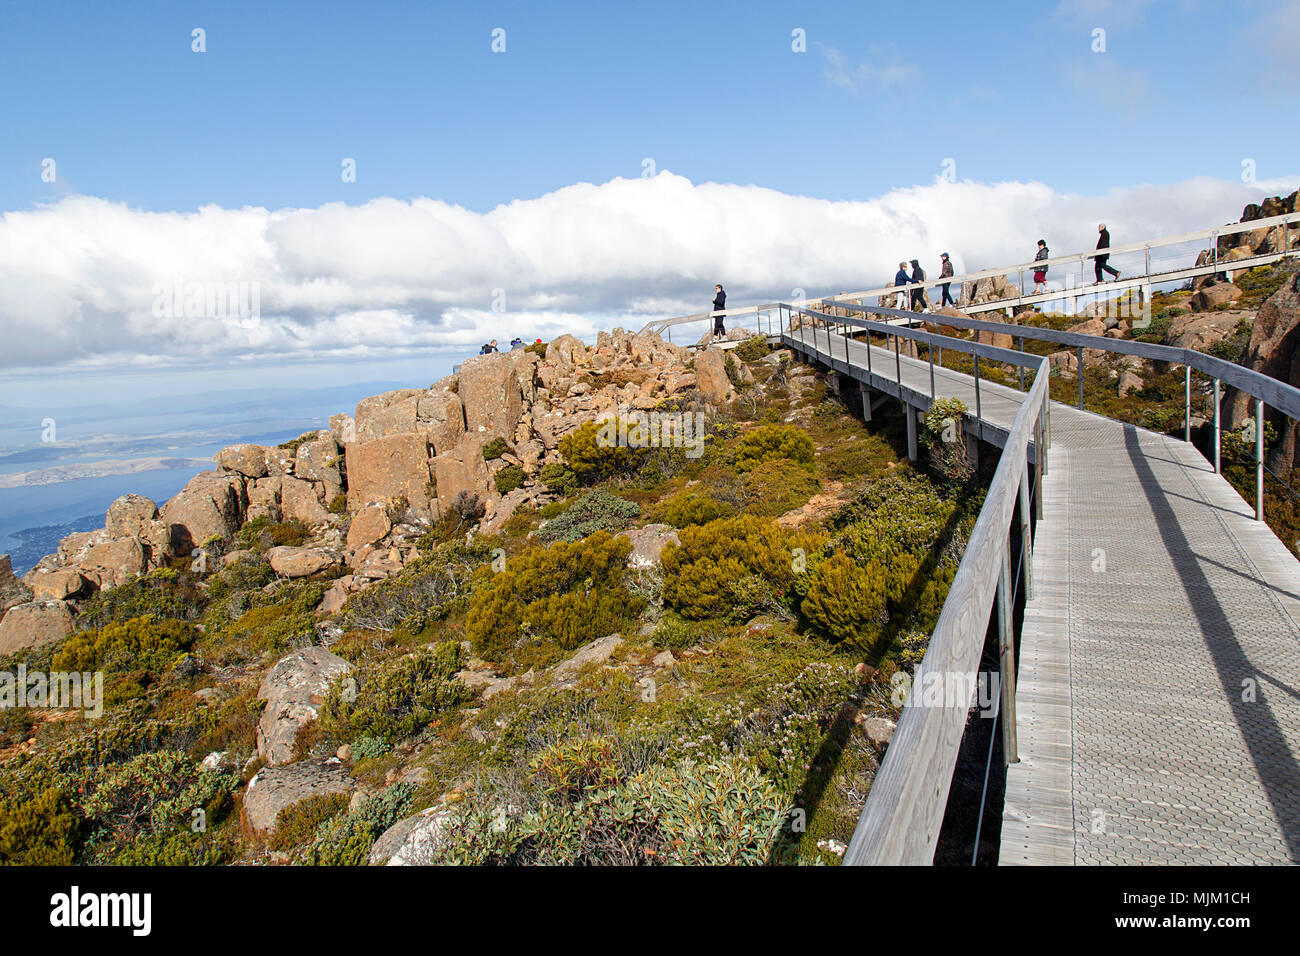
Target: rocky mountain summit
pixel 474 444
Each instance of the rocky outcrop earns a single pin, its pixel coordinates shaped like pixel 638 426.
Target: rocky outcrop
pixel 413 841
pixel 1273 351
pixel 597 652
pixel 492 397
pixel 648 544
pixel 711 376
pixel 211 505
pixel 12 590
pixel 296 562
pixel 275 788
pixel 1214 296
pixel 293 690
pixel 462 470
pixel 1203 330
pixel 35 624
pixel 388 468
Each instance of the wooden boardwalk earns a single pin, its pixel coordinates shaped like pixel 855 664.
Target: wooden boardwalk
pixel 1158 693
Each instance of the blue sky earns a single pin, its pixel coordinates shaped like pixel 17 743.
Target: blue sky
pixel 508 193
pixel 586 91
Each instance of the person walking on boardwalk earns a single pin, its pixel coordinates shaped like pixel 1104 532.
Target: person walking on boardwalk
pixel 945 272
pixel 919 301
pixel 1040 272
pixel 901 278
pixel 1101 262
pixel 719 305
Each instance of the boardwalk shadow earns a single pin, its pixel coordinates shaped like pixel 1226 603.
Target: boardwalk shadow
pixel 1270 751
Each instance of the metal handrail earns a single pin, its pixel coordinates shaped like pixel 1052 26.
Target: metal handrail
pixel 904 811
pixel 1081 257
pixel 1217 265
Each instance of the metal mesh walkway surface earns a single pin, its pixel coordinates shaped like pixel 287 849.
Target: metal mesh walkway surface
pixel 1158 697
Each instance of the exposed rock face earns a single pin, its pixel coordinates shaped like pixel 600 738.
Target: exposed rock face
pixel 441 414
pixel 413 841
pixel 711 376
pixel 12 590
pixel 1213 296
pixel 293 689
pixel 301 501
pixel 1201 330
pixel 1272 351
pixel 385 468
pixel 987 290
pixel 211 505
pixel 275 788
pixel 115 562
pixel 492 397
pixel 300 562
pixel 130 516
pixel 648 544
pixel 246 460
pixel 462 469
pixel 370 525
pixel 34 624
pixel 317 461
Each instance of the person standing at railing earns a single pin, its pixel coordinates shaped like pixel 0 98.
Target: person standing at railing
pixel 719 305
pixel 945 272
pixel 1103 242
pixel 1040 273
pixel 919 301
pixel 901 278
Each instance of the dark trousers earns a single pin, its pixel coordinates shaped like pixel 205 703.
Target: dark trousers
pixel 717 326
pixel 1101 264
pixel 947 299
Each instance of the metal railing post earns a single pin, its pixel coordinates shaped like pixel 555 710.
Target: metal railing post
pixel 1217 433
pixel 898 367
pixel 1020 369
pixel 1259 459
pixel 1026 533
pixel 1007 658
pixel 1187 403
pixel 929 352
pixel 1080 378
pixel 979 414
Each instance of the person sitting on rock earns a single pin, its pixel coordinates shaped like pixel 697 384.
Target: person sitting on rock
pixel 489 348
pixel 719 305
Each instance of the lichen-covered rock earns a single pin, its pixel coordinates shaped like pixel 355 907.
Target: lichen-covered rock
pixel 462 469
pixel 211 505
pixel 293 690
pixel 711 376
pixel 491 395
pixel 386 468
pixel 293 562
pixel 129 516
pixel 275 788
pixel 413 841
pixel 648 544
pixel 370 525
pixel 246 460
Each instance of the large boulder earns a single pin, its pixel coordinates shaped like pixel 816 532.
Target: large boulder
pixel 114 563
pixel 246 460
pixel 565 352
pixel 211 505
pixel 1273 351
pixel 648 544
pixel 389 413
pixel 462 469
pixel 301 501
pixel 385 468
pixel 12 590
pixel 440 414
pixel 130 516
pixel 711 376
pixel 1213 296
pixel 317 461
pixel 1201 330
pixel 597 652
pixel 369 526
pixel 293 562
pixel 34 624
pixel 492 396
pixel 413 841
pixel 275 788
pixel 293 690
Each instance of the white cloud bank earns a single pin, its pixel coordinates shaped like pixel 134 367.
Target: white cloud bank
pixel 79 278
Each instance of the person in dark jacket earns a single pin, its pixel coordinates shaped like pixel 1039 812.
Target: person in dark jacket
pixel 945 272
pixel 489 348
pixel 1040 272
pixel 719 305
pixel 1101 263
pixel 919 301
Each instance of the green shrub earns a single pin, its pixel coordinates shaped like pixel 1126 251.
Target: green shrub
pixel 160 594
pixel 593 454
pixel 138 644
pixel 775 487
pixel 338 504
pixel 537 348
pixel 752 349
pixel 509 478
pixel 297 824
pixel 495 448
pixel 364 748
pixel 559 479
pixel 771 442
pixel 262 534
pixel 41 831
pixel 717 814
pixel 943 436
pixel 565 595
pixel 730 568
pixel 846 600
pixel 397 697
pixel 597 510
pixel 690 507
pixel 177 849
pixel 425 591
pixel 346 839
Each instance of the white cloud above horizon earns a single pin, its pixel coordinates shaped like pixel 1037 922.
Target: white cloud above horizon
pixel 79 277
